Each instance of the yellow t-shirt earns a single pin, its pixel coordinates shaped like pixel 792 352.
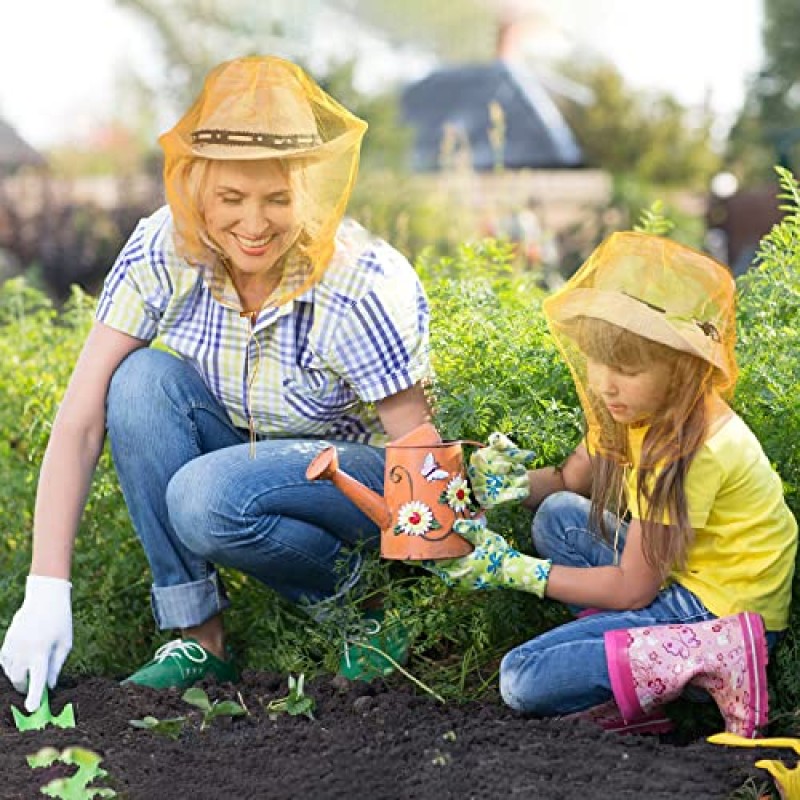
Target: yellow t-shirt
pixel 743 554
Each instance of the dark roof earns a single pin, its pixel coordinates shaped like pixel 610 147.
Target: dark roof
pixel 15 151
pixel 536 135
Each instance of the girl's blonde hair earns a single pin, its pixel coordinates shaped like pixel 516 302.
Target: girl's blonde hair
pixel 674 435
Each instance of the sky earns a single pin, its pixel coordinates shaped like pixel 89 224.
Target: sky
pixel 686 47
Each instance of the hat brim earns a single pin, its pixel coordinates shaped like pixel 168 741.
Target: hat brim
pixel 224 152
pixel 631 314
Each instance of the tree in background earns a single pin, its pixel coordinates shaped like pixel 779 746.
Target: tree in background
pixel 768 128
pixel 646 134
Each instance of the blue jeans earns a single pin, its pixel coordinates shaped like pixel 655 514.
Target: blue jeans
pixel 197 500
pixel 564 670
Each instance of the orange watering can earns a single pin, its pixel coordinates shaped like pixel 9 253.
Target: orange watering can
pixel 425 492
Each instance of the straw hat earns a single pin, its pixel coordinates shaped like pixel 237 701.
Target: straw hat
pixel 249 114
pixel 262 107
pixel 658 289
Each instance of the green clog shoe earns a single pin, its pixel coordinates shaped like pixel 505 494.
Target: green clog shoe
pixel 366 648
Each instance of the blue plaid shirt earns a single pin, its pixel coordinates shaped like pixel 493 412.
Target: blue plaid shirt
pixel 310 367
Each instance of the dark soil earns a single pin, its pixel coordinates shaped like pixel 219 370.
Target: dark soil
pixel 366 741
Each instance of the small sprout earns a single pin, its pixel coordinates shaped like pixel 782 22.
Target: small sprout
pixel 43 717
pixel 171 728
pixel 440 759
pixel 449 736
pixel 227 708
pixel 295 703
pixel 76 787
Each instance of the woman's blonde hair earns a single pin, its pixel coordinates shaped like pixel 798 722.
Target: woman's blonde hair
pixel 674 435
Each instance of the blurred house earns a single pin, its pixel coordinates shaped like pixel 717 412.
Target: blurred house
pixel 491 137
pixel 17 158
pixel 15 152
pixel 499 113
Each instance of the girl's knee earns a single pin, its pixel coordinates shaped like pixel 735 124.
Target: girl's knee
pixel 517 682
pixel 556 511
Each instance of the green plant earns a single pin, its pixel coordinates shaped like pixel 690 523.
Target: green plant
pixel 652 220
pixel 76 787
pixel 752 789
pixel 211 710
pixel 296 702
pixel 171 727
pixel 43 716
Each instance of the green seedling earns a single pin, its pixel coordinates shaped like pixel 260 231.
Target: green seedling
pixel 43 717
pixel 171 728
pixel 76 787
pixel 295 703
pixel 226 708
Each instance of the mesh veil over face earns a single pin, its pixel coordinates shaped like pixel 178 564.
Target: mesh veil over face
pixel 263 107
pixel 679 305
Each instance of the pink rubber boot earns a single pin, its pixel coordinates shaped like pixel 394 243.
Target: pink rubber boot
pixel 608 717
pixel 727 657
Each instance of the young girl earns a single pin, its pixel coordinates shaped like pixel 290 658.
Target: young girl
pixel 666 530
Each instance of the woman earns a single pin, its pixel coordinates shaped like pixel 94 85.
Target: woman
pixel 280 326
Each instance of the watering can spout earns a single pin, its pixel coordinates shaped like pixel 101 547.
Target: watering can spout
pixel 325 467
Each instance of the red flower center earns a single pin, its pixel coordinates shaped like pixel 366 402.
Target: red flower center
pixel 460 494
pixel 415 518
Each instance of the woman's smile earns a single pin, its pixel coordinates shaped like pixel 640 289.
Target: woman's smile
pixel 250 214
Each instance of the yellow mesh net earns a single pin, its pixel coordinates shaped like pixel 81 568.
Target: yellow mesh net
pixel 639 300
pixel 262 107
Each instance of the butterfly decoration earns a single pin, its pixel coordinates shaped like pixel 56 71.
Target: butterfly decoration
pixel 431 470
pixel 681 648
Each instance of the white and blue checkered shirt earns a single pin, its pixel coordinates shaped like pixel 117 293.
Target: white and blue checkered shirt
pixel 310 367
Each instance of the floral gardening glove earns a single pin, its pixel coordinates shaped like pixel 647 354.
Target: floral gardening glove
pixel 493 564
pixel 497 473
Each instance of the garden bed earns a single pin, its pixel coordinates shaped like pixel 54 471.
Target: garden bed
pixel 365 741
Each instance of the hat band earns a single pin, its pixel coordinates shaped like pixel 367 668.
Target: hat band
pixel 708 328
pixel 290 141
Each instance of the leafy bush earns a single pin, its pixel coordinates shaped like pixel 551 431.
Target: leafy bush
pixel 768 392
pixel 496 369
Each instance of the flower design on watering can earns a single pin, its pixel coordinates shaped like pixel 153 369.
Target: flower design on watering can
pixel 415 519
pixel 457 495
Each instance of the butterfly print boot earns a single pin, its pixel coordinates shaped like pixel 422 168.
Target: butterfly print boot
pixel 727 657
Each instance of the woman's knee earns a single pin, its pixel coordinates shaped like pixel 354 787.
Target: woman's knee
pixel 197 505
pixel 135 383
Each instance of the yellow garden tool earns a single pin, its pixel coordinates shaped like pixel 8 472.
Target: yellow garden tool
pixel 787 780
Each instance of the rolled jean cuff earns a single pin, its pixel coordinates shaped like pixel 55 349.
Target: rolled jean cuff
pixel 321 610
pixel 188 604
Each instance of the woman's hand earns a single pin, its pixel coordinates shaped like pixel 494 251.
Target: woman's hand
pixel 39 638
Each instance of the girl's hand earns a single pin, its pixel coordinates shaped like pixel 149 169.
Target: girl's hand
pixel 493 564
pixel 497 473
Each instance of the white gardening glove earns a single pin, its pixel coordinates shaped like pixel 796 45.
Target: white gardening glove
pixel 39 638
